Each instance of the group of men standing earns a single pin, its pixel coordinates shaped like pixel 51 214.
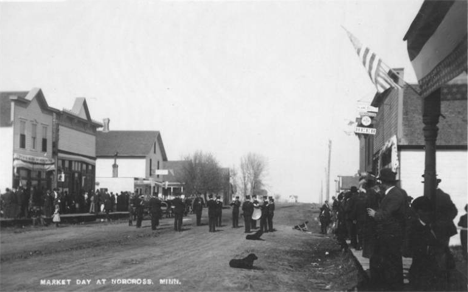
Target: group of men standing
pixel 381 219
pixel 215 209
pixel 267 209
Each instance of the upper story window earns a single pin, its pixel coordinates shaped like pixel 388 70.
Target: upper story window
pixel 22 141
pixel 154 148
pixel 33 136
pixel 158 168
pixel 44 138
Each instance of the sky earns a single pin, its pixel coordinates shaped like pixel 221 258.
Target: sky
pixel 277 78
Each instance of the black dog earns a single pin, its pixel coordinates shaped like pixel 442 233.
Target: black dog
pixel 245 263
pixel 255 236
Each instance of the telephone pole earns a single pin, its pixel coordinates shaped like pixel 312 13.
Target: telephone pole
pixel 328 170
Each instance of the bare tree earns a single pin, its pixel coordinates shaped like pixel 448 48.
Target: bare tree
pixel 253 171
pixel 202 174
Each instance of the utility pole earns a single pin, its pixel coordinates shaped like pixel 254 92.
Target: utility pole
pixel 328 170
pixel 321 192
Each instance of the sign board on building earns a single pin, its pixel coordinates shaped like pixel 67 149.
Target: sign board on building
pixel 367 108
pixel 162 172
pixel 366 120
pixel 61 177
pixel 369 131
pixel 368 114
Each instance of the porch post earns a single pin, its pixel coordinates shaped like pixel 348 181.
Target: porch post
pixel 431 113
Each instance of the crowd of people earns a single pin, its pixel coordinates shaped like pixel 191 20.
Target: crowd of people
pixel 178 208
pixel 381 219
pixel 23 202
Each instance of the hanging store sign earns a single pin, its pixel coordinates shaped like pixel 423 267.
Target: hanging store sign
pixel 161 171
pixel 368 114
pixel 366 121
pixel 367 108
pixel 368 131
pixel 33 162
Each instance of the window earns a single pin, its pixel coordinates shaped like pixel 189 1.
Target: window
pixel 150 166
pixel 44 138
pixel 33 135
pixel 158 168
pixel 22 134
pixel 154 148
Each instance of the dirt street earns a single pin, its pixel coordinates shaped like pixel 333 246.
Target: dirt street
pixel 116 257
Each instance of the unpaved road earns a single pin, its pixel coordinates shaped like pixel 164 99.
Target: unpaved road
pixel 80 257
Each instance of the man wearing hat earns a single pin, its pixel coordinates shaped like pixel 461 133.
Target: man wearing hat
pixel 155 210
pixel 271 213
pixel 219 210
pixel 445 213
pixel 235 212
pixel 139 204
pixel 179 208
pixel 390 219
pixel 264 217
pixel 197 207
pixel 247 208
pixel 211 213
pixel 424 273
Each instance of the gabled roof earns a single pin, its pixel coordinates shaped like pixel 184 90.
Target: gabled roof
pixel 175 169
pixel 80 110
pixel 5 106
pixel 128 143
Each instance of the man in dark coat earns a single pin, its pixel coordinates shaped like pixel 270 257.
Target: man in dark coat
pixel 264 217
pixel 349 206
pixel 197 207
pixel 325 217
pixel 155 210
pixel 445 213
pixel 139 204
pixel 247 208
pixel 179 208
pixel 271 213
pixel 107 204
pixel 360 215
pixel 235 212
pixel 48 204
pixel 219 211
pixel 425 274
pixel 390 218
pixel 211 213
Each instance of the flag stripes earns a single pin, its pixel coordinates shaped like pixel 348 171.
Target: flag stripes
pixel 437 43
pixel 377 70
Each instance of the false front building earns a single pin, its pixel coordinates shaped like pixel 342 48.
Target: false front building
pixel 39 142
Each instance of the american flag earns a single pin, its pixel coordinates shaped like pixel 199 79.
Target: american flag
pixel 380 74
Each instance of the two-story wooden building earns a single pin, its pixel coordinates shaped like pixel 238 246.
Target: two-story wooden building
pixel 39 142
pixel 128 161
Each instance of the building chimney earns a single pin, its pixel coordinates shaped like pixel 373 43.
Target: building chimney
pixel 106 122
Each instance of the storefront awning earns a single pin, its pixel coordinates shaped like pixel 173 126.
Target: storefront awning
pixel 33 162
pixel 76 158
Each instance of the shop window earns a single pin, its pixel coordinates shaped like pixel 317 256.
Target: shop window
pixel 22 134
pixel 44 138
pixel 33 136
